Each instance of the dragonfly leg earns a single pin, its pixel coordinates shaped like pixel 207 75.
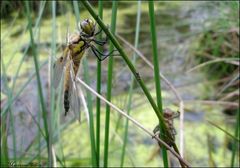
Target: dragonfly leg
pixel 98 54
pixel 98 32
pixel 99 42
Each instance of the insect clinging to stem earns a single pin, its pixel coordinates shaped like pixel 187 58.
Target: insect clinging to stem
pixel 169 116
pixel 71 58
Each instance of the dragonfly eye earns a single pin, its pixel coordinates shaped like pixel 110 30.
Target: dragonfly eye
pixel 88 26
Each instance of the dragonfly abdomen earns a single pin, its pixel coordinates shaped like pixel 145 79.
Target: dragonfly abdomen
pixel 66 101
pixel 66 89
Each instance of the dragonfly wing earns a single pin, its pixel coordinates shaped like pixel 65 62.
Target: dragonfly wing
pixel 58 67
pixel 74 97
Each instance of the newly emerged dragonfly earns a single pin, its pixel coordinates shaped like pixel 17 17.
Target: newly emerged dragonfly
pixel 71 59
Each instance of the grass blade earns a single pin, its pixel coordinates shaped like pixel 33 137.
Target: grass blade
pixel 133 121
pixel 89 97
pixel 109 86
pixel 236 143
pixel 98 101
pixel 131 84
pixel 4 126
pixel 132 68
pixel 225 131
pixel 156 73
pixel 40 92
pixel 52 115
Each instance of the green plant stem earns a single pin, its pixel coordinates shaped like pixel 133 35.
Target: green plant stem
pixel 90 109
pixel 76 11
pixel 98 101
pixel 128 62
pixel 4 144
pixel 125 57
pixel 27 48
pixel 10 115
pixel 225 131
pixel 236 143
pixel 20 91
pixel 52 115
pixel 10 94
pixel 109 86
pixel 44 111
pixel 4 121
pixel 131 85
pixel 89 97
pixel 156 74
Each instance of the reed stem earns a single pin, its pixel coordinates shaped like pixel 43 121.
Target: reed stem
pixel 109 86
pixel 156 75
pixel 129 104
pixel 98 101
pixel 40 92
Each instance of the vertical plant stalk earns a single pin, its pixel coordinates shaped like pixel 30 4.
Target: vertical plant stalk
pixel 135 122
pixel 10 115
pixel 53 50
pixel 11 91
pixel 236 143
pixel 44 111
pixel 89 97
pixel 4 120
pixel 133 70
pixel 132 82
pixel 156 75
pixel 52 115
pixel 125 57
pixel 98 100
pixel 90 110
pixel 181 103
pixel 109 85
pixel 4 143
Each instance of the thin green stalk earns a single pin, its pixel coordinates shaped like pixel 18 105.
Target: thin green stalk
pixel 98 101
pixel 76 11
pixel 4 132
pixel 156 74
pixel 109 85
pixel 130 65
pixel 10 99
pixel 225 131
pixel 53 49
pixel 16 50
pixel 89 97
pixel 6 34
pixel 90 109
pixel 39 138
pixel 117 125
pixel 44 112
pixel 52 115
pixel 27 48
pixel 20 91
pixel 236 143
pixel 11 119
pixel 124 56
pixel 4 144
pixel 59 109
pixel 29 160
pixel 132 82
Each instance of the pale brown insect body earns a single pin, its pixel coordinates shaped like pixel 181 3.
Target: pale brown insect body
pixel 168 115
pixel 71 59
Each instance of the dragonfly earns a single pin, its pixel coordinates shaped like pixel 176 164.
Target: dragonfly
pixel 69 62
pixel 168 116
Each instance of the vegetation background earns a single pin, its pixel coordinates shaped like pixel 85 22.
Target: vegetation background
pixel 195 46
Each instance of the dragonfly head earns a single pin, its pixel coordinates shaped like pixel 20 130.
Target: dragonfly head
pixel 88 26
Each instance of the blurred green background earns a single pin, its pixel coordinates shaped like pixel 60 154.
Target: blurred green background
pixel 198 46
